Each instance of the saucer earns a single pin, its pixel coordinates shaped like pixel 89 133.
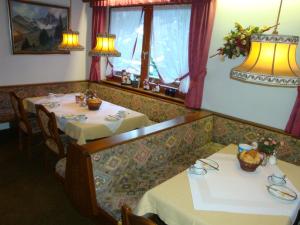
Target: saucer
pixel 197 171
pixel 273 179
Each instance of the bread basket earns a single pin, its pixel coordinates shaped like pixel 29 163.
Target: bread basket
pixel 94 103
pixel 249 167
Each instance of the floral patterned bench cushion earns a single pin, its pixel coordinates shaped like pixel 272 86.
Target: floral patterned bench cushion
pixel 156 110
pixel 227 131
pixel 129 186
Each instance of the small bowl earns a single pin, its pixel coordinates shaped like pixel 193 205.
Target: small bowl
pixel 249 167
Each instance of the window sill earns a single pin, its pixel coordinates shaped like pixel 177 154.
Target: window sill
pixel 143 92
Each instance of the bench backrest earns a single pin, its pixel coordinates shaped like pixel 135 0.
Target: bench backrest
pixel 227 131
pixel 31 90
pixel 177 145
pixel 156 109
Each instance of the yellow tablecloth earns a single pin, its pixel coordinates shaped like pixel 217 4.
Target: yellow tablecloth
pixel 96 125
pixel 172 201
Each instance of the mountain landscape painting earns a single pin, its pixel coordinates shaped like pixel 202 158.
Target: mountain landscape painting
pixel 37 28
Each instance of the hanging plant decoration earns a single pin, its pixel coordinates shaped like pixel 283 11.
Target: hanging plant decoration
pixel 237 42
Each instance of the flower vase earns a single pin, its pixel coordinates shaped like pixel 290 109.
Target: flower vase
pixel 272 159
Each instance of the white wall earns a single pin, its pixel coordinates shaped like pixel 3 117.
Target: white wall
pixel 21 69
pixel 266 105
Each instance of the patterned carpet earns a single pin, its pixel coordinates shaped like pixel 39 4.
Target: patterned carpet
pixel 30 194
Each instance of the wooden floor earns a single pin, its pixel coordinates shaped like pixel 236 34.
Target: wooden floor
pixel 29 194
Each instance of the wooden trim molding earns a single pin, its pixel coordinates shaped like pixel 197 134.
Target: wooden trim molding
pixel 41 84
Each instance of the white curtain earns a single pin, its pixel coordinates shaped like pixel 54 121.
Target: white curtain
pixel 169 44
pixel 127 24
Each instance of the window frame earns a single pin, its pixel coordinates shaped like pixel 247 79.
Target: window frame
pixel 146 46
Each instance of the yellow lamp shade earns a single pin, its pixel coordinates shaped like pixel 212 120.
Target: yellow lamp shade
pixel 271 61
pixel 70 41
pixel 105 46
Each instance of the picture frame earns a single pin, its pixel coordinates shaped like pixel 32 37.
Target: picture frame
pixel 36 28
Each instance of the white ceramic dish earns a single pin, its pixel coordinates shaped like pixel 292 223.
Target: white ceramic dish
pixel 282 192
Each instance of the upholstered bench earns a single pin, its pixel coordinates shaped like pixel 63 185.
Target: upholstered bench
pixel 123 173
pixel 103 175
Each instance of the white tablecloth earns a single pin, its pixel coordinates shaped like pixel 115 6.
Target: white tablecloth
pixel 172 201
pixel 233 190
pixel 96 125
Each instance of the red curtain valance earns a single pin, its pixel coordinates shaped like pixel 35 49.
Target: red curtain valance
pixel 99 3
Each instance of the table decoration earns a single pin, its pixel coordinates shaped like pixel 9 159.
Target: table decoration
pixel 267 145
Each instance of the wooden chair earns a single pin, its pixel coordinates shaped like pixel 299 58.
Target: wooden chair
pixel 26 126
pixel 128 218
pixel 53 140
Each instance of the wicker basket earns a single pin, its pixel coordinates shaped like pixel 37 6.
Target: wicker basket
pixel 249 167
pixel 94 104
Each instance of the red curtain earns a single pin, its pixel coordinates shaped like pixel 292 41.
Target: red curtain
pixel 136 2
pixel 98 26
pixel 293 125
pixel 202 19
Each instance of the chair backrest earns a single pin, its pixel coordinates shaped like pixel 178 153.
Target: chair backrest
pixel 18 107
pixel 47 123
pixel 128 218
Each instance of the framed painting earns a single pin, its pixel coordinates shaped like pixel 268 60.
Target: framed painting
pixel 37 28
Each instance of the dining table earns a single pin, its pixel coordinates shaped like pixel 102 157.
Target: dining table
pixel 226 198
pixel 82 124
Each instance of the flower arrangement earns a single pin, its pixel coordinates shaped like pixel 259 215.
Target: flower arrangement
pixel 237 42
pixel 267 145
pixel 90 94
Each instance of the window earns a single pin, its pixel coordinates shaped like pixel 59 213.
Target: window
pixel 153 41
pixel 127 24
